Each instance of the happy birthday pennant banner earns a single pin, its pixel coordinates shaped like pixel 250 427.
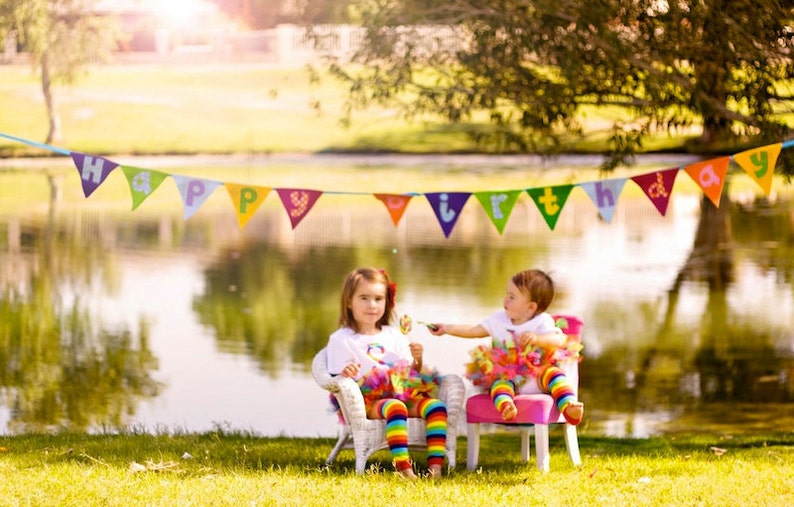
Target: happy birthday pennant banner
pixel 142 183
pixel 710 175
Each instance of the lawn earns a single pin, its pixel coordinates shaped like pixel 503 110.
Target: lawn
pixel 239 469
pixel 223 108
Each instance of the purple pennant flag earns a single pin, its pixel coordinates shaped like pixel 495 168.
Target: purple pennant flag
pixel 447 207
pixel 93 170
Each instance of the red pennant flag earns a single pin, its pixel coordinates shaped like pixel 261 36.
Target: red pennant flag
pixel 298 202
pixel 396 204
pixel 658 187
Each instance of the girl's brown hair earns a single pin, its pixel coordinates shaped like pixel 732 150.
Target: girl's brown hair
pixel 372 275
pixel 537 285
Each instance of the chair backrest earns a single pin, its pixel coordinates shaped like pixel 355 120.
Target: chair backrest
pixel 320 369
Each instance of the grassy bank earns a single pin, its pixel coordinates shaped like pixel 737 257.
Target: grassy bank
pixel 226 108
pixel 239 469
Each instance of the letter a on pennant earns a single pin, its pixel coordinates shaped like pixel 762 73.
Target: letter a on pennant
pixel 710 175
pixel 142 182
pixel 759 163
pixel 658 187
pixel 246 200
pixel 396 204
pixel 297 202
pixel 93 170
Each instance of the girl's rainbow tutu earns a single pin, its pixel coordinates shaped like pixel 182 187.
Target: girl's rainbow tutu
pixel 399 382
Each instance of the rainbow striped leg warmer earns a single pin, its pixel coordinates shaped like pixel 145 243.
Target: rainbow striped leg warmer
pixel 434 412
pixel 502 393
pixel 396 415
pixel 555 382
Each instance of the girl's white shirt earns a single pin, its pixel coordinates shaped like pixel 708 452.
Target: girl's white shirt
pixel 380 350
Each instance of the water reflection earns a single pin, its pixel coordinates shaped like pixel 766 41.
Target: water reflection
pixel 148 320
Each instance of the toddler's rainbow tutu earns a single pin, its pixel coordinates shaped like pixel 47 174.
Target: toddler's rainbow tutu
pixel 504 360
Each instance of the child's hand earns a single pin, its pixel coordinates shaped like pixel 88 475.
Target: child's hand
pixel 416 351
pixel 351 370
pixel 526 340
pixel 437 329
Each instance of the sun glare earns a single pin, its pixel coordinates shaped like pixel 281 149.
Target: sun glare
pixel 183 13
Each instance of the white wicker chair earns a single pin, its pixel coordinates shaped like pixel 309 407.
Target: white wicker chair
pixel 367 436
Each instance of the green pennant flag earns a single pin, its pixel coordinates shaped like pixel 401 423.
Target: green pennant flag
pixel 550 201
pixel 498 205
pixel 142 182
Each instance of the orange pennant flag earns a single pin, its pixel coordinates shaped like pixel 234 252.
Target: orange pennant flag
pixel 760 164
pixel 710 175
pixel 246 199
pixel 396 204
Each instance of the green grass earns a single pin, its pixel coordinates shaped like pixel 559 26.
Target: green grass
pixel 222 108
pixel 241 108
pixel 240 469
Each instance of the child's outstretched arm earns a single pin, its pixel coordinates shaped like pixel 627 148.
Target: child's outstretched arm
pixel 459 330
pixel 541 340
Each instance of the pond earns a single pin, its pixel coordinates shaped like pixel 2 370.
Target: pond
pixel 117 319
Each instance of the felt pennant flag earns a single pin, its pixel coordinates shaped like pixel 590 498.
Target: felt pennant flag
pixel 710 175
pixel 298 202
pixel 658 187
pixel 550 201
pixel 604 194
pixel 194 192
pixel 93 170
pixel 246 199
pixel 142 182
pixel 498 205
pixel 760 164
pixel 396 204
pixel 447 207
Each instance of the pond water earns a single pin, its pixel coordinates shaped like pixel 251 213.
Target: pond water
pixel 144 320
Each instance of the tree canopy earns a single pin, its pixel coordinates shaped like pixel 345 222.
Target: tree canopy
pixel 722 70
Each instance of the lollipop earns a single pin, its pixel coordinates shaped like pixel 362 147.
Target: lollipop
pixel 405 324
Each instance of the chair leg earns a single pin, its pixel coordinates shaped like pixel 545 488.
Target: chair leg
pixel 472 445
pixel 344 436
pixel 542 446
pixel 572 444
pixel 524 443
pixel 452 451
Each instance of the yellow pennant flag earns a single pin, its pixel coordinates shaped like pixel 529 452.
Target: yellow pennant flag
pixel 760 164
pixel 246 199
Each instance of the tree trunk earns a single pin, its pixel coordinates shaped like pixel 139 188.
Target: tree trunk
pixel 54 134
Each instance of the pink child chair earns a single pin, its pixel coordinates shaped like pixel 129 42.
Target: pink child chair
pixel 536 410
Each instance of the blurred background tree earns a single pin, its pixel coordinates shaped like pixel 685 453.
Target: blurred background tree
pixel 719 73
pixel 63 37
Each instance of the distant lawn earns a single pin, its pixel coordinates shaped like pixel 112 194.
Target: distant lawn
pixel 222 108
